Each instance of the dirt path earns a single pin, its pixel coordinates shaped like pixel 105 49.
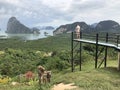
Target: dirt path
pixel 62 86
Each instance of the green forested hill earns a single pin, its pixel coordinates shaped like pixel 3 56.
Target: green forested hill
pixel 60 42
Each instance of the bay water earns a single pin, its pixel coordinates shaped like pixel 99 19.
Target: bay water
pixel 27 36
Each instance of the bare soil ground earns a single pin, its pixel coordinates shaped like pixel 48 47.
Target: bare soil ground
pixel 63 86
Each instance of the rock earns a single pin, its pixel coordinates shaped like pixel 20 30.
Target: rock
pixel 15 27
pixel 93 25
pixel 45 27
pixel 108 26
pixel 49 28
pixel 35 30
pixel 71 27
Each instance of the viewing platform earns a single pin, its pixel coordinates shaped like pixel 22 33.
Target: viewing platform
pixel 106 40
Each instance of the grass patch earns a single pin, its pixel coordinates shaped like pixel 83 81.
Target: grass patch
pixel 92 79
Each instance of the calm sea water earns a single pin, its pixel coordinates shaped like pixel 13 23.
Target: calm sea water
pixel 27 36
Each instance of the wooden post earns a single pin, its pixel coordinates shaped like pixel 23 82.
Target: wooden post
pixel 119 60
pixel 96 56
pixel 80 62
pixel 105 63
pixel 72 65
pixel 80 55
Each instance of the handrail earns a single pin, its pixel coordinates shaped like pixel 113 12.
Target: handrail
pixel 103 37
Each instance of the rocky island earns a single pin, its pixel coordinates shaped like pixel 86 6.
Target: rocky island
pixel 103 26
pixel 16 27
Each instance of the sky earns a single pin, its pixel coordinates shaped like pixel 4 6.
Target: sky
pixel 34 13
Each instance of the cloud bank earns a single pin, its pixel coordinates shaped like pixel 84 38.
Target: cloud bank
pixel 56 12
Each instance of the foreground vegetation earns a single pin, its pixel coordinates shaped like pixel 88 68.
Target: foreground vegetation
pixel 87 79
pixel 19 57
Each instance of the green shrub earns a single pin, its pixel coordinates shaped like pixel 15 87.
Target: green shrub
pixel 53 63
pixel 15 62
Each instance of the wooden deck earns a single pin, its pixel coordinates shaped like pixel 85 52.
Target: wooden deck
pixel 105 40
pixel 99 43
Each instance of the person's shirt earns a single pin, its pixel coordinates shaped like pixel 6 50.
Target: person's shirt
pixel 77 29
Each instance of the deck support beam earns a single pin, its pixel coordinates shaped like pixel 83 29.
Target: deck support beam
pixel 96 55
pixel 106 48
pixel 105 62
pixel 119 60
pixel 80 62
pixel 72 62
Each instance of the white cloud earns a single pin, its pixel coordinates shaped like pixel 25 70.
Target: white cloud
pixel 2 11
pixel 58 4
pixel 56 12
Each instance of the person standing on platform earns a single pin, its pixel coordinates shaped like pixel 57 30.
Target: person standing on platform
pixel 77 32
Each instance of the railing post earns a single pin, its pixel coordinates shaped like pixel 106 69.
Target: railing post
pixel 80 35
pixel 106 37
pixel 105 63
pixel 72 65
pixel 96 56
pixel 117 40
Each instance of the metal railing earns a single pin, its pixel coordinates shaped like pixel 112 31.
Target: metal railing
pixel 111 38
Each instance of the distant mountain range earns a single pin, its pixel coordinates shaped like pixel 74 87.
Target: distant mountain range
pixel 102 26
pixel 16 27
pixel 45 27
